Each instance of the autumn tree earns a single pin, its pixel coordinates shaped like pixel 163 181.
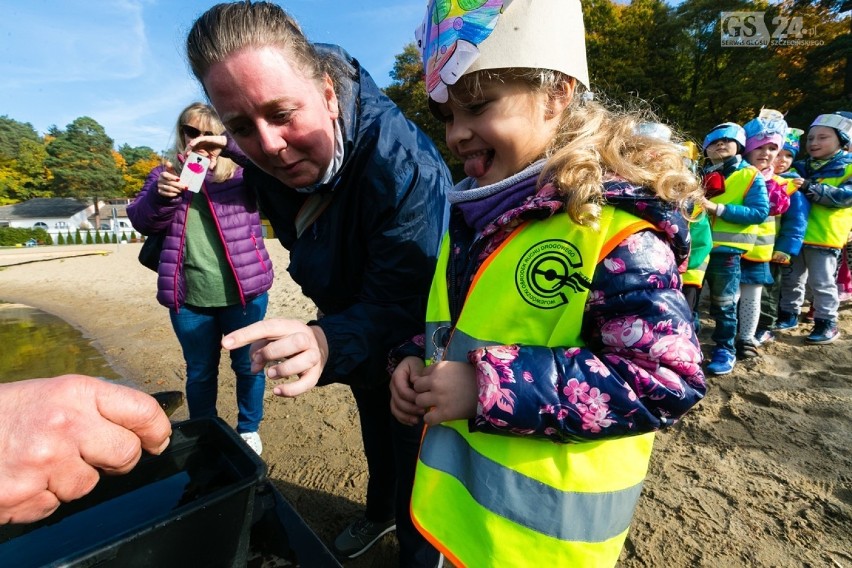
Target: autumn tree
pixel 81 160
pixel 22 171
pixel 409 93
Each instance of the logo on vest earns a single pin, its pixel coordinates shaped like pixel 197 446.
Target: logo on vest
pixel 547 274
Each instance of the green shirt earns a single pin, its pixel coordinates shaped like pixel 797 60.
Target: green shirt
pixel 210 281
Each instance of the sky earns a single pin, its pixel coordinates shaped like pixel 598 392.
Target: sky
pixel 122 62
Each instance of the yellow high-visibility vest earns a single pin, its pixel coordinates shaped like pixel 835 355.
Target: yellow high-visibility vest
pixel 733 234
pixel 491 500
pixel 827 226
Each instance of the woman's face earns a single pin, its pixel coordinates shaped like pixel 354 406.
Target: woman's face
pixel 193 128
pixel 822 142
pixel 763 156
pixel 282 120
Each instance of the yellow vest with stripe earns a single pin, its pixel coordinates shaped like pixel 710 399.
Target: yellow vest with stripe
pixel 695 276
pixel 733 234
pixel 485 499
pixel 827 226
pixel 764 243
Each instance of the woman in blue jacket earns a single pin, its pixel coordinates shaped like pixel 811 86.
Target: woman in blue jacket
pixel 355 192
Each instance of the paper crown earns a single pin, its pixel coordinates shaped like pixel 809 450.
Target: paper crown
pixel 690 150
pixel 458 37
pixel 839 122
pixel 791 140
pixel 654 130
pixel 729 130
pixel 768 127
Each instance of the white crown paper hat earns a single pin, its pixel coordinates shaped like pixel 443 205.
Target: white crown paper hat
pixel 458 37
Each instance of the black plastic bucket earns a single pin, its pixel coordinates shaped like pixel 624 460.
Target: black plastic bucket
pixel 195 505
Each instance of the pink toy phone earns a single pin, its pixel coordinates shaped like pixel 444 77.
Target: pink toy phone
pixel 194 170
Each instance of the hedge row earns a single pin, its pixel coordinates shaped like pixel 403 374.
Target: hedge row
pixel 13 236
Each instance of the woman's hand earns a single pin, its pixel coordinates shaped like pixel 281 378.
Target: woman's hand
pixel 287 348
pixel 168 184
pixel 213 144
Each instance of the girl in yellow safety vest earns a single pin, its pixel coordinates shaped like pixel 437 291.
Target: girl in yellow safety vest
pixel 790 230
pixel 828 188
pixel 764 139
pixel 557 336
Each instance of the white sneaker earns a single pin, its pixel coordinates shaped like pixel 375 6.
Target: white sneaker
pixel 253 441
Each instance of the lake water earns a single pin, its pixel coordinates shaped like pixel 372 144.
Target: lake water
pixel 38 344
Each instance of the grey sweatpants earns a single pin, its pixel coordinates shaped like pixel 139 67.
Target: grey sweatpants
pixel 815 267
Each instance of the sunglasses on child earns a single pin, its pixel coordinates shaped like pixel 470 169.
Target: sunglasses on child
pixel 193 132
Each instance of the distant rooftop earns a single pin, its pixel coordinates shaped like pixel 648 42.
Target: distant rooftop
pixel 43 208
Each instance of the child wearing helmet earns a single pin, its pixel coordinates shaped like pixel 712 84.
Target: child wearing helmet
pixel 790 230
pixel 737 202
pixel 828 187
pixel 764 140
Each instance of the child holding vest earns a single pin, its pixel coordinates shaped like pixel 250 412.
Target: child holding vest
pixel 828 188
pixel 557 337
pixel 737 202
pixel 790 230
pixel 764 139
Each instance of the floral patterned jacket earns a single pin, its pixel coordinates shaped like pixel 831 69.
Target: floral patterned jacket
pixel 640 368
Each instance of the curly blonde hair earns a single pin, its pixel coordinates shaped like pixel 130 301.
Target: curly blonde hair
pixel 594 144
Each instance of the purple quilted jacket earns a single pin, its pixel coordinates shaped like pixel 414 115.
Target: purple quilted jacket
pixel 234 208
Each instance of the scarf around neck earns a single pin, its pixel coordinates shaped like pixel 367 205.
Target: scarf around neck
pixel 481 205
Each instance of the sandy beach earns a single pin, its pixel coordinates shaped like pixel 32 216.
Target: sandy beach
pixel 759 474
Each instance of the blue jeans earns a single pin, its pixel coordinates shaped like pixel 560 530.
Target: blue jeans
pixel 722 280
pixel 200 332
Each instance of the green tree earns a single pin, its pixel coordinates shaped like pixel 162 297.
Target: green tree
pixel 134 154
pixel 81 160
pixel 22 171
pixel 817 77
pixel 409 93
pixel 11 134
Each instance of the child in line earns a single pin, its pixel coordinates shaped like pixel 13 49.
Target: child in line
pixel 790 232
pixel 558 339
pixel 700 235
pixel 828 188
pixel 737 203
pixel 764 138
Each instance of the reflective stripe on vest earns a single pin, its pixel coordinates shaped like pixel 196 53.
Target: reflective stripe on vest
pixel 728 234
pixel 695 276
pixel 764 245
pixel 483 498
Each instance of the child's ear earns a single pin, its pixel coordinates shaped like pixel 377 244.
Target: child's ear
pixel 560 97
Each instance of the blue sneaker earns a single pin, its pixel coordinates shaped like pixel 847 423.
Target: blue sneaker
pixel 722 361
pixel 825 331
pixel 764 335
pixel 787 320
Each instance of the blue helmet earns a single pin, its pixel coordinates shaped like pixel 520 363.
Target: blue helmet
pixel 726 130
